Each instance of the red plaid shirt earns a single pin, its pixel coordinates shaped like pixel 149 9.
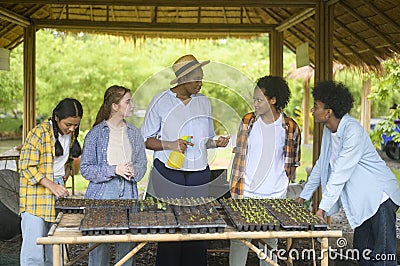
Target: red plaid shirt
pixel 292 151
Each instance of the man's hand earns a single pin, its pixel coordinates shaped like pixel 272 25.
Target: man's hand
pixel 222 141
pixel 300 200
pixel 321 215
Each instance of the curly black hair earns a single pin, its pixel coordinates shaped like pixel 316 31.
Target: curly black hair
pixel 274 86
pixel 335 96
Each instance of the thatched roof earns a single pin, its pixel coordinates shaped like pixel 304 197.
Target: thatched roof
pixel 365 31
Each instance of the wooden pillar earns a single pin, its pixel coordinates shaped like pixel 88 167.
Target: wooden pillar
pixel 323 69
pixel 276 53
pixel 365 104
pixel 306 108
pixel 29 119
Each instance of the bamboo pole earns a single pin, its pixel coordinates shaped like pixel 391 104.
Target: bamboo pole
pixel 289 243
pixel 55 224
pixel 56 255
pixel 324 251
pixel 82 254
pixel 261 255
pixel 130 254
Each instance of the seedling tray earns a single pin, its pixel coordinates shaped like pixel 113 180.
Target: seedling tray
pixel 248 215
pixel 294 216
pixel 104 220
pixel 144 222
pixel 69 205
pixel 199 219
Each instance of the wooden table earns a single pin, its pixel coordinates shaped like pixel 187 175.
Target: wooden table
pixel 66 231
pixel 10 155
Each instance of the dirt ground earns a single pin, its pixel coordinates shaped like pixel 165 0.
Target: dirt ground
pixel 218 251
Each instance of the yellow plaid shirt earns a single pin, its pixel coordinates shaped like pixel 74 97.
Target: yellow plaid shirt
pixel 36 162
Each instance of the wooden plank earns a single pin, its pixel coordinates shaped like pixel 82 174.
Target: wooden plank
pixel 174 3
pixel 104 26
pixel 29 80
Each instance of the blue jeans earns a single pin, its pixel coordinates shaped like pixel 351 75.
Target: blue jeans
pixel 376 237
pixel 100 256
pixel 33 227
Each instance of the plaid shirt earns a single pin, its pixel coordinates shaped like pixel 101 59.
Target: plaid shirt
pixel 291 152
pixel 37 162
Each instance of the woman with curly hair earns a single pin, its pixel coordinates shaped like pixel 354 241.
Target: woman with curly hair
pixel 353 177
pixel 266 155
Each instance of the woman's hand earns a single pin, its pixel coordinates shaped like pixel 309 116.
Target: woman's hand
pixel 125 170
pixel 58 190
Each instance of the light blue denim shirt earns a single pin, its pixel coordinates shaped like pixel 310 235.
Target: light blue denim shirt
pixel 94 166
pixel 358 179
pixel 168 119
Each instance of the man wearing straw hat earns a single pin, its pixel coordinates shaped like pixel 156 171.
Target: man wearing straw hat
pixel 180 120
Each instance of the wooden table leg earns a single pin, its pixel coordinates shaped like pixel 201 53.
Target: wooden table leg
pixel 289 243
pixel 56 255
pixel 324 251
pixel 260 253
pixel 130 254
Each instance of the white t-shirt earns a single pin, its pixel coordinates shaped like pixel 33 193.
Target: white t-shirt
pixel 59 161
pixel 265 175
pixel 335 144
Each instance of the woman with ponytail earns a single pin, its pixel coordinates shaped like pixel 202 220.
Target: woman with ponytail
pixel 113 160
pixel 45 164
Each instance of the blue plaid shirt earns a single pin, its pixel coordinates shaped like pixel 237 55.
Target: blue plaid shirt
pixel 94 166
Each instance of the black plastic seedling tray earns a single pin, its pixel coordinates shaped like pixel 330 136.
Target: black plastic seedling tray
pixel 69 205
pixel 199 219
pixel 96 221
pixel 152 222
pixel 239 221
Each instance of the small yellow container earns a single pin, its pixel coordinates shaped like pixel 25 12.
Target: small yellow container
pixel 176 159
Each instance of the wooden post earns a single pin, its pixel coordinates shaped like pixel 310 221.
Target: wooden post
pixel 324 251
pixel 323 69
pixel 306 111
pixel 365 104
pixel 289 243
pixel 29 120
pixel 276 53
pixel 56 255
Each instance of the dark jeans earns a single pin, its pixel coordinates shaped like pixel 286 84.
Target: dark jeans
pixel 176 184
pixel 170 183
pixel 376 237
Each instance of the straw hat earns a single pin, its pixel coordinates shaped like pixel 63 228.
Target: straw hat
pixel 184 65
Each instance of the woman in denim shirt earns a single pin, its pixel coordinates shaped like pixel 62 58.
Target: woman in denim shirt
pixel 113 160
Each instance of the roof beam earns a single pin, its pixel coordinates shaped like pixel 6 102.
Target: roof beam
pixel 295 19
pixel 14 17
pixel 371 48
pixel 369 25
pixel 383 15
pixel 151 27
pixel 174 3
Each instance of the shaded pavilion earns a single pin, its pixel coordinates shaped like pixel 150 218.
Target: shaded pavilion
pixel 357 34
